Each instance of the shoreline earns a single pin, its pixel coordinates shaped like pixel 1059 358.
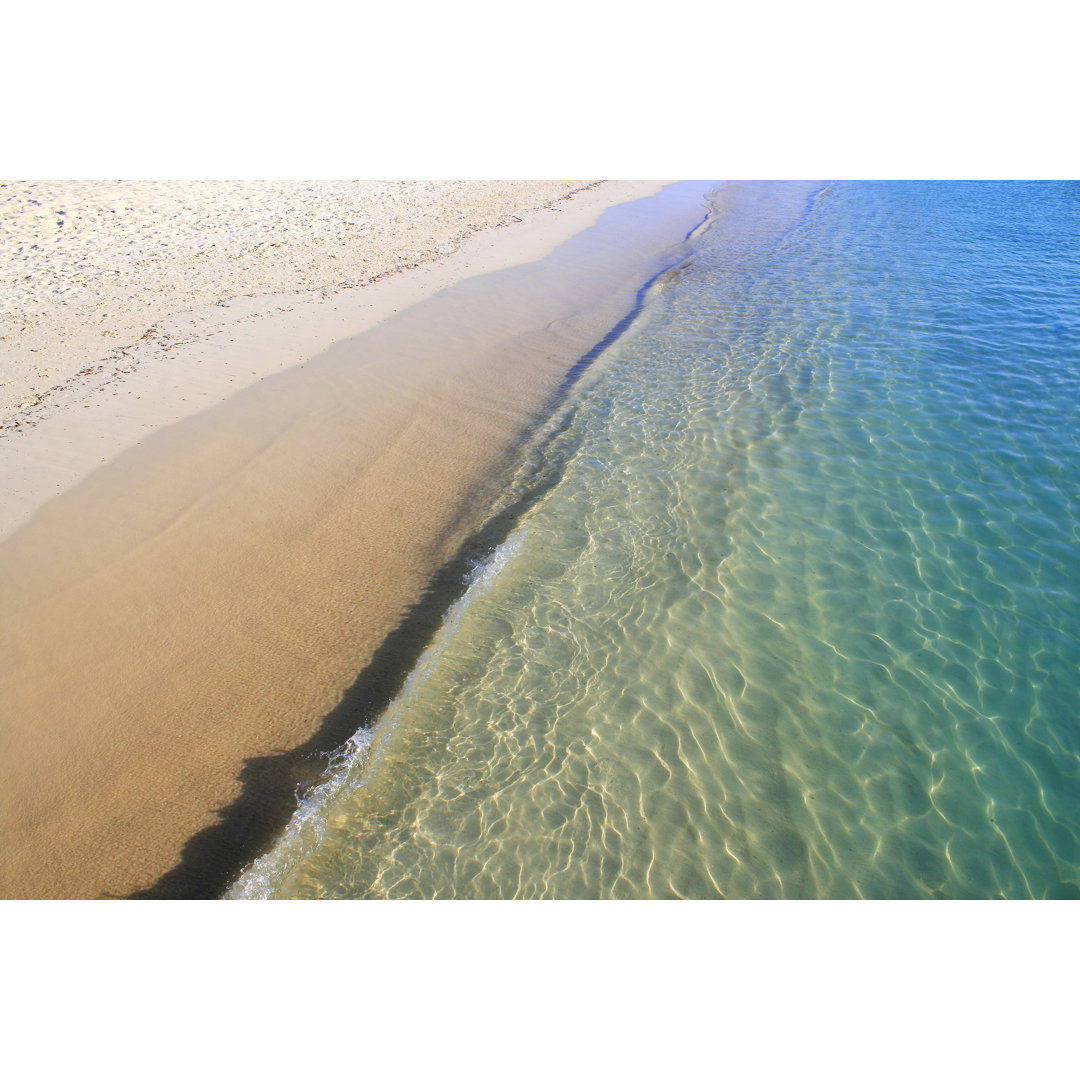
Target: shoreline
pixel 204 604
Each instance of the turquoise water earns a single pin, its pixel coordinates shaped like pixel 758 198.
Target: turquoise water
pixel 796 610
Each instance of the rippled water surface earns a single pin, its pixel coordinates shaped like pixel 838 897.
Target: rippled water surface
pixel 797 612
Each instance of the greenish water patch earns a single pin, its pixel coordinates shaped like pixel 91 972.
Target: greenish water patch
pixel 798 612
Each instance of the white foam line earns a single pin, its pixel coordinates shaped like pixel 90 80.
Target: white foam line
pixel 349 766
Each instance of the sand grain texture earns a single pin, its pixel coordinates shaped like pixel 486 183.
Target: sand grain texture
pixel 91 266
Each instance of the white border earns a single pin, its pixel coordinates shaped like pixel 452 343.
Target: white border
pixel 235 89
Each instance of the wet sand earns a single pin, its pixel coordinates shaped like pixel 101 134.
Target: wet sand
pixel 183 629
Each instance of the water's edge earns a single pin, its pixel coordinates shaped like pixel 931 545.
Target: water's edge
pixel 272 786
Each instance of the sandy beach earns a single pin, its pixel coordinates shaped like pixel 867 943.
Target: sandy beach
pixel 221 537
pixel 94 265
pixel 168 296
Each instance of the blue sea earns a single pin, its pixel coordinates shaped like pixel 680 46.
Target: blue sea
pixel 792 605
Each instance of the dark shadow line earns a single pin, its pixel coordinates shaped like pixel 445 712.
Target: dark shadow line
pixel 582 365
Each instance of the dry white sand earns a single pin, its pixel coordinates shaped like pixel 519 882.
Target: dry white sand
pixel 184 615
pixel 90 266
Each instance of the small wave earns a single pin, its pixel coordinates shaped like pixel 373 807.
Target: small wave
pixel 346 769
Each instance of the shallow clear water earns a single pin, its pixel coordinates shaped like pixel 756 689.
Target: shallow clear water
pixel 797 613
